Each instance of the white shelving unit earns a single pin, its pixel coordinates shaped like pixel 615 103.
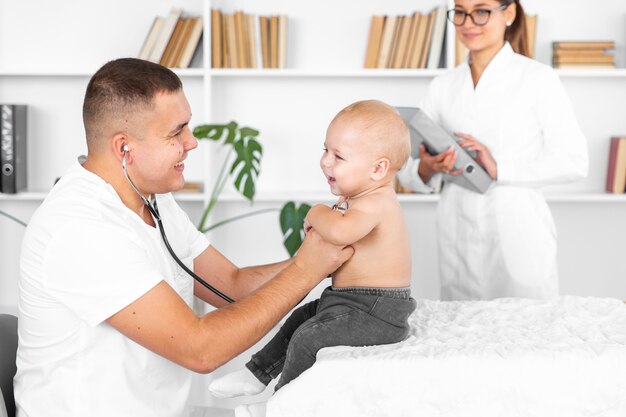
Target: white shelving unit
pixel 46 59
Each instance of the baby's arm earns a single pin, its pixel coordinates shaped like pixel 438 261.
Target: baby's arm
pixel 343 228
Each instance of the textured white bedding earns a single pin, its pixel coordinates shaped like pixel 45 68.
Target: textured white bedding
pixel 506 358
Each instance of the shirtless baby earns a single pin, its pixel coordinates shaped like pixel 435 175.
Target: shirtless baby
pixel 369 301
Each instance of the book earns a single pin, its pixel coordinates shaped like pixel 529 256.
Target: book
pixel 377 24
pixel 192 44
pixel 616 171
pixel 427 39
pixel 240 36
pixel 282 41
pixel 583 59
pixel 437 38
pixel 183 37
pixel 531 33
pixel 581 45
pixel 410 46
pixel 166 58
pixel 264 29
pixel 197 59
pixel 153 34
pixel 386 42
pixel 396 41
pixel 252 41
pixel 420 36
pixel 258 48
pixel 590 53
pixel 13 138
pixel 165 34
pixel 399 60
pixel 273 41
pixel 231 41
pixel 216 38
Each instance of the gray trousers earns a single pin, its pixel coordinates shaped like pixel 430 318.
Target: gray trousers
pixel 356 316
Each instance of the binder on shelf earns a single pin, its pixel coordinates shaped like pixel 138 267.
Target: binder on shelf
pixel 436 140
pixel 616 171
pixel 13 137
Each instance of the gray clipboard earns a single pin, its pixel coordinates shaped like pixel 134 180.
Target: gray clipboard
pixel 436 140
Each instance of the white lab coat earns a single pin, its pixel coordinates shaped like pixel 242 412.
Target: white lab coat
pixel 503 243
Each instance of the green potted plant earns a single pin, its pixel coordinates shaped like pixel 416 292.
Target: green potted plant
pixel 243 163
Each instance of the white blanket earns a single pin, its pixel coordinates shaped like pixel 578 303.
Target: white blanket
pixel 505 358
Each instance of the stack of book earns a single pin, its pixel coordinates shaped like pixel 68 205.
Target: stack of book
pixel 415 41
pixel 174 41
pixel 241 40
pixel 583 54
pixel 616 172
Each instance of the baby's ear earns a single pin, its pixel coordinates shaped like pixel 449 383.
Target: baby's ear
pixel 381 167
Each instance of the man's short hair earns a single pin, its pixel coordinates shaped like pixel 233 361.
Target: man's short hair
pixel 120 88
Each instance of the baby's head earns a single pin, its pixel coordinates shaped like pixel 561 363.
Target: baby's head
pixel 368 140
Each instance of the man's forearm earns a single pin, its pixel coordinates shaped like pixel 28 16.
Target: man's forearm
pixel 234 328
pixel 250 278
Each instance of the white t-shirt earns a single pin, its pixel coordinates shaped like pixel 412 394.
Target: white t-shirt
pixel 85 256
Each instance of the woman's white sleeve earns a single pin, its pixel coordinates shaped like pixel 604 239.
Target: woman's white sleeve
pixel 564 154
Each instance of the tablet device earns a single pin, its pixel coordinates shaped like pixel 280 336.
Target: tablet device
pixel 436 140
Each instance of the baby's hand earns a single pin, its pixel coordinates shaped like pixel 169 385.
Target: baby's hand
pixel 306 226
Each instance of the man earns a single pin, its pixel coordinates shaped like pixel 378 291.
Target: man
pixel 105 323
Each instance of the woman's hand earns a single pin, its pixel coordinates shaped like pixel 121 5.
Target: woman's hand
pixel 432 164
pixel 483 156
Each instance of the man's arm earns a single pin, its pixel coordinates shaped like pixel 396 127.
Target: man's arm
pixel 225 276
pixel 161 321
pixel 342 228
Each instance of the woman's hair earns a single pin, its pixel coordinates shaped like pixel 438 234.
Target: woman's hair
pixel 516 34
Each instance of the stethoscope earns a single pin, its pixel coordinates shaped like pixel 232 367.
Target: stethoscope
pixel 154 211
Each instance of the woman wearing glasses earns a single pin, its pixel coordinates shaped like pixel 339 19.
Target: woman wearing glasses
pixel 514 114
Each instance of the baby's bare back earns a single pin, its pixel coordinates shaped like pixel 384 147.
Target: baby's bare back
pixel 383 257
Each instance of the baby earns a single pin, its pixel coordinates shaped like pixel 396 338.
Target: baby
pixel 369 301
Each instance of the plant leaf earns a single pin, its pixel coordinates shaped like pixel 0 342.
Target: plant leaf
pixel 247 163
pixel 216 132
pixel 291 223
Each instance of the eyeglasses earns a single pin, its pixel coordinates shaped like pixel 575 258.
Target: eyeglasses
pixel 480 17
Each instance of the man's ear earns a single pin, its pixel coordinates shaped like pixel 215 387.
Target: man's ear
pixel 120 146
pixel 381 167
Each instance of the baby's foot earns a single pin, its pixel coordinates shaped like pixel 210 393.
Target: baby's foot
pixel 250 410
pixel 234 384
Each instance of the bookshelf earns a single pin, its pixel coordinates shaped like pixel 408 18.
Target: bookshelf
pixel 323 66
pixel 51 63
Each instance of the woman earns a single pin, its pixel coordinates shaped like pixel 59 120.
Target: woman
pixel 514 114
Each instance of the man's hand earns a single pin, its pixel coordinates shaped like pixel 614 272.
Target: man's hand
pixel 318 258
